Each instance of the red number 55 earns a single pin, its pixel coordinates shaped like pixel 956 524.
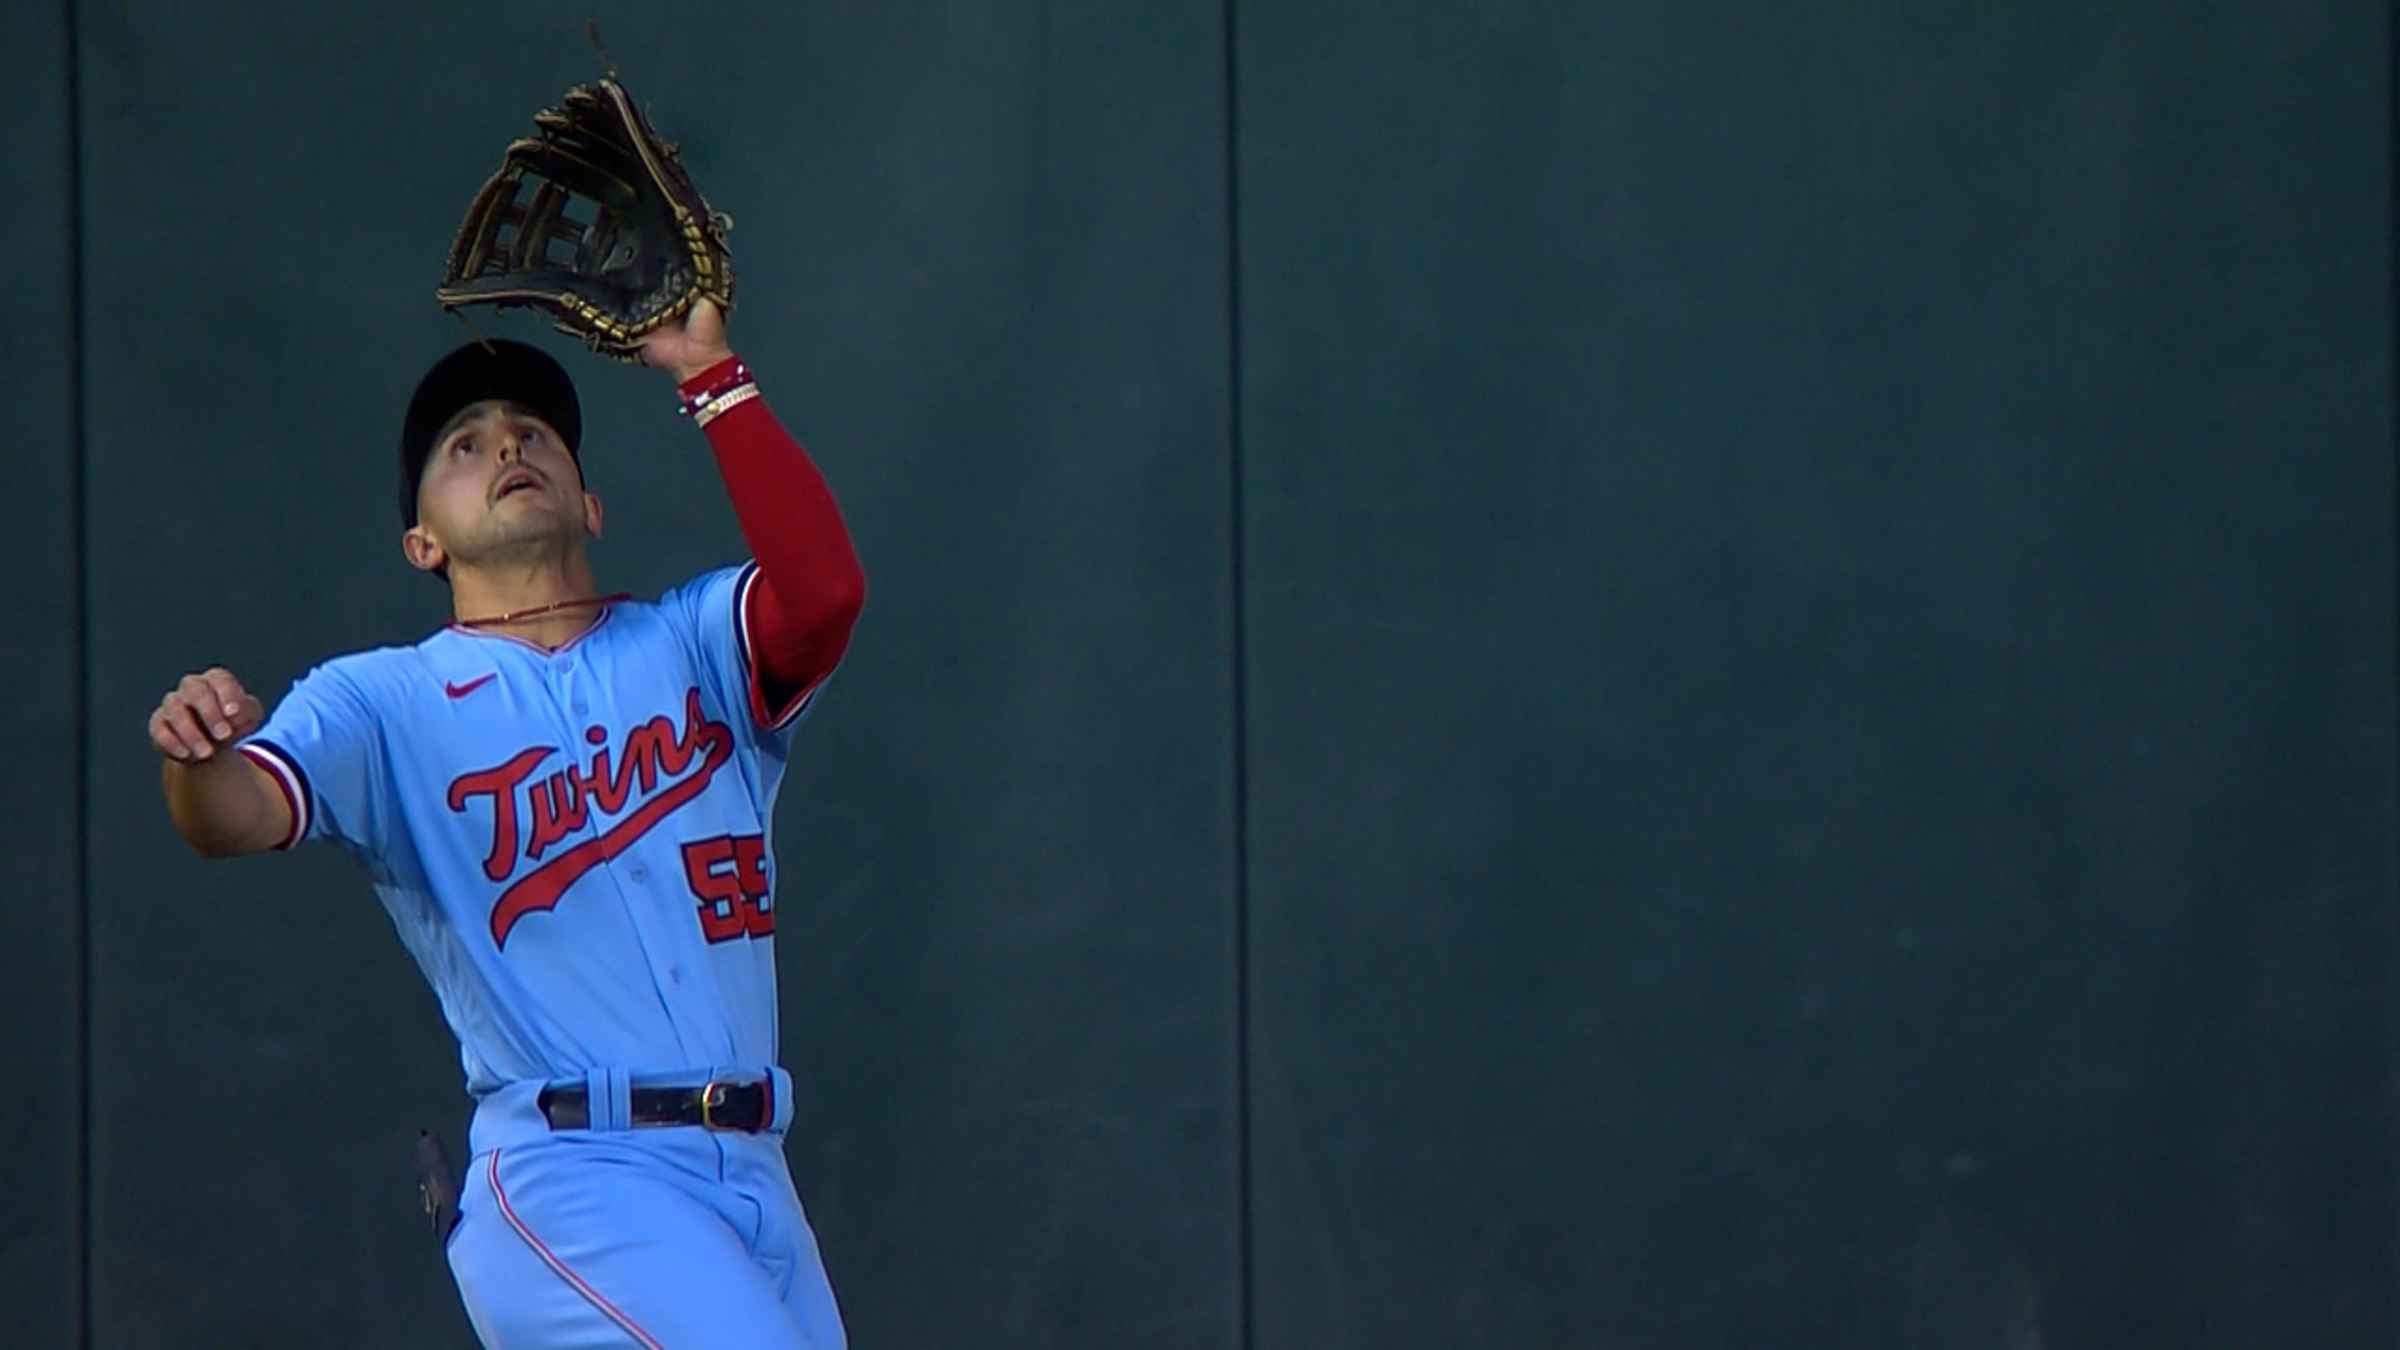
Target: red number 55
pixel 729 877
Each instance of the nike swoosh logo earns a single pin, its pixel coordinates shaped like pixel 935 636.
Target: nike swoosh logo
pixel 462 690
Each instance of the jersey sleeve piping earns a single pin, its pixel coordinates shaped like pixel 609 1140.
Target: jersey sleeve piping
pixel 290 779
pixel 773 719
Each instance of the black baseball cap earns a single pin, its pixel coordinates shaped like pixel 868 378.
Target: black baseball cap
pixel 498 369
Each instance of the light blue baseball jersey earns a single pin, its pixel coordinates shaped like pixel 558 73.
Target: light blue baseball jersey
pixel 576 845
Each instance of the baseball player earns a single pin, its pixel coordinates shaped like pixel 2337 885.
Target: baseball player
pixel 565 799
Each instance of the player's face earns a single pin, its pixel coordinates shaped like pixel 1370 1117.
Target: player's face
pixel 500 486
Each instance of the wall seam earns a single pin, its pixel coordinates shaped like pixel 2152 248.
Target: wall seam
pixel 2391 161
pixel 79 1246
pixel 1236 547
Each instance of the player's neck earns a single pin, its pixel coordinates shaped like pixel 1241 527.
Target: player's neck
pixel 479 595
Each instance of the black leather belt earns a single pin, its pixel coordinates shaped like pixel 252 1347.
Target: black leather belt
pixel 744 1107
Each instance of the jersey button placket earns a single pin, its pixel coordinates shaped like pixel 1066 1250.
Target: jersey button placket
pixel 629 877
pixel 574 722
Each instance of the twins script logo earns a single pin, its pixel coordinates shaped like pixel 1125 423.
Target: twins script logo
pixel 554 806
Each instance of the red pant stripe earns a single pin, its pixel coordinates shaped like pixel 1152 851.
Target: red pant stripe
pixel 551 1258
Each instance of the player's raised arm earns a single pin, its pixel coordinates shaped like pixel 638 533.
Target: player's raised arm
pixel 222 804
pixel 811 585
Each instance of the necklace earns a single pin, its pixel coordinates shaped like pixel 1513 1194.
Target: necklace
pixel 537 611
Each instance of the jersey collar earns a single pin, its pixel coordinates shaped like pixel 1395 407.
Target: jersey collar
pixel 488 635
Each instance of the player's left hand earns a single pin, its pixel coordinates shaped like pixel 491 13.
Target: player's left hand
pixel 685 349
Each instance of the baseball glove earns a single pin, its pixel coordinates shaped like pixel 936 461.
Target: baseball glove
pixel 612 238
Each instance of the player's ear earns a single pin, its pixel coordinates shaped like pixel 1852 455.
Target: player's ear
pixel 423 551
pixel 591 514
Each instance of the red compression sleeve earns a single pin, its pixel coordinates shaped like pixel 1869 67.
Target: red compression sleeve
pixel 810 586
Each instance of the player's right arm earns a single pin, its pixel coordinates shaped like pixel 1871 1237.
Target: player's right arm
pixel 222 803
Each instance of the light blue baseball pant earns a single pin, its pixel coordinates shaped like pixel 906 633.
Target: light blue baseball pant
pixel 648 1237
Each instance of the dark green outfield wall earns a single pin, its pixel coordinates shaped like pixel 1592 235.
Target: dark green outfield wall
pixel 1820 674
pixel 1636 675
pixel 40 999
